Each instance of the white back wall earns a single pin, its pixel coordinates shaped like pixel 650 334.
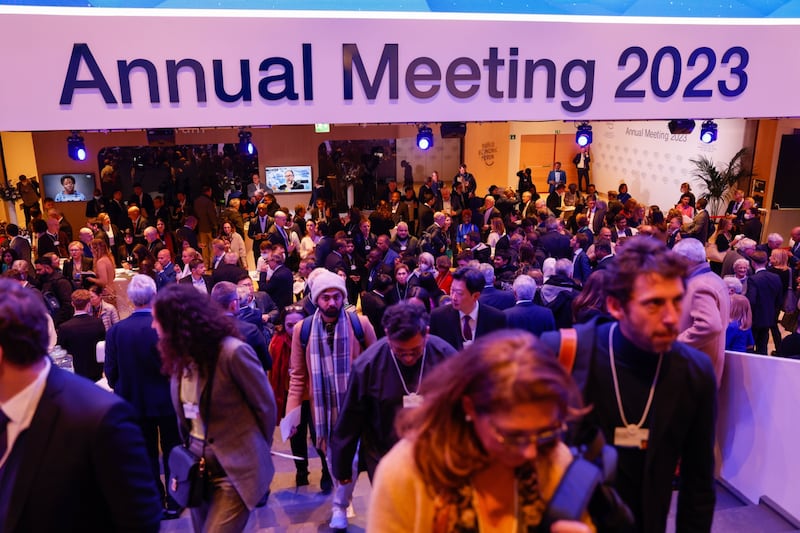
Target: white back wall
pixel 653 162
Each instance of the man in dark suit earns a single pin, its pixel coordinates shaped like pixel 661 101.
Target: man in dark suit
pixel 736 204
pixel 187 234
pixel 228 270
pixel 553 242
pixel 555 200
pixel 277 233
pixel 765 292
pixel 117 210
pixel 52 282
pixel 133 369
pixel 525 314
pixel 373 303
pixel 425 213
pixel 160 210
pixel 490 296
pixel 398 208
pixel 142 199
pixel 466 319
pixel 581 269
pixel 197 276
pixel 101 481
pixel 225 294
pixel 80 334
pixel 258 229
pixel 279 285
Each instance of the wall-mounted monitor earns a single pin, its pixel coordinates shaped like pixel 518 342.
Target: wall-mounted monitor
pixel 69 187
pixel 289 179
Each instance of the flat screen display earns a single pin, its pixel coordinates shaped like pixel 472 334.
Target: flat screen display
pixel 289 178
pixel 70 187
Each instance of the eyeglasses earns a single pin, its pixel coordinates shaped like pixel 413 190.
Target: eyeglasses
pixel 544 440
pixel 417 351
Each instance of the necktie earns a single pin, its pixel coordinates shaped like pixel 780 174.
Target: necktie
pixel 467 330
pixel 4 420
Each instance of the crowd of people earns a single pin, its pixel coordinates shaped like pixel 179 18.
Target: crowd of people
pixel 385 338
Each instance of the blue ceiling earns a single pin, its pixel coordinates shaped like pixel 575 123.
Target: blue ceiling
pixel 646 8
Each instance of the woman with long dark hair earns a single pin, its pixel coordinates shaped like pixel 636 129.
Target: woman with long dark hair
pixel 225 406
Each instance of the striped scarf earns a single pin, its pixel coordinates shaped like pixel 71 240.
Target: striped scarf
pixel 329 371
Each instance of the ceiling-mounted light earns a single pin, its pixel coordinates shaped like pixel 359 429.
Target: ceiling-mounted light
pixel 708 131
pixel 681 126
pixel 425 138
pixel 246 145
pixel 583 137
pixel 76 148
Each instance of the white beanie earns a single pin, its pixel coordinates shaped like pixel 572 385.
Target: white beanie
pixel 325 280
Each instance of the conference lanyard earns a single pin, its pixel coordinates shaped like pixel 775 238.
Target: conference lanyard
pixel 631 435
pixel 411 399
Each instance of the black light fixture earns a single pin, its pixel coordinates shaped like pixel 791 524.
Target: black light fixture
pixel 246 146
pixel 583 137
pixel 683 126
pixel 425 138
pixel 76 148
pixel 708 131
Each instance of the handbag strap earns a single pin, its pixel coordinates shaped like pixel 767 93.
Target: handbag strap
pixel 207 416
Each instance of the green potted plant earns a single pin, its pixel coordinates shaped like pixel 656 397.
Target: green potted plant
pixel 720 183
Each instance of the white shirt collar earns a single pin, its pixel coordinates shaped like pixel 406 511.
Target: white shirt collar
pixel 21 407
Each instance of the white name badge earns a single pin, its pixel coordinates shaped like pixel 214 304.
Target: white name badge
pixel 412 400
pixel 631 437
pixel 191 410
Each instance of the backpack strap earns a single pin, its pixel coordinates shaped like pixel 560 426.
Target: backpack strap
pixel 305 332
pixel 568 348
pixel 357 329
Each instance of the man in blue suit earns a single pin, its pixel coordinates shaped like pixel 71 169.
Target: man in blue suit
pixel 497 298
pixel 72 457
pixel 133 369
pixel 525 314
pixel 165 269
pixel 581 268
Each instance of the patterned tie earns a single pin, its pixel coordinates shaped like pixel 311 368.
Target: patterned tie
pixel 4 420
pixel 467 330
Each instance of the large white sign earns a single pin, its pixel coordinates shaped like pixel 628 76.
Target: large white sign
pixel 95 69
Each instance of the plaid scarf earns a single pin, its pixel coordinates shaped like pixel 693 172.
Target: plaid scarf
pixel 330 371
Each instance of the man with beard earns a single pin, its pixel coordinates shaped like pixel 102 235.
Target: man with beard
pixel 320 368
pixel 653 398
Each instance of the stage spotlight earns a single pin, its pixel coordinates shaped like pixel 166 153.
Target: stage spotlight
pixel 76 147
pixel 583 137
pixel 681 126
pixel 246 146
pixel 425 138
pixel 708 132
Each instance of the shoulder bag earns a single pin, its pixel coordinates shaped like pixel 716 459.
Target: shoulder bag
pixel 188 481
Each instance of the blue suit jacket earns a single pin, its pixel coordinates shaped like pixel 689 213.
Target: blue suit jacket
pixel 581 268
pixel 133 365
pixel 82 465
pixel 530 317
pixel 499 299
